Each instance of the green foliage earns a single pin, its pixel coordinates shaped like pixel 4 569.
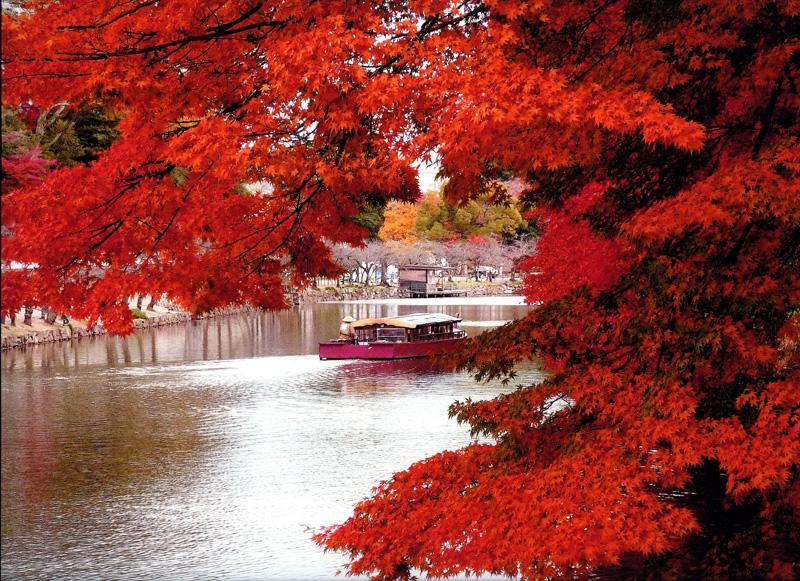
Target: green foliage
pixel 430 210
pixel 138 313
pixel 371 218
pixel 16 136
pixel 12 121
pixel 76 136
pixel 96 130
pixel 464 218
pixel 180 175
pixel 81 135
pixel 438 232
pixel 61 143
pixel 438 219
pixel 527 230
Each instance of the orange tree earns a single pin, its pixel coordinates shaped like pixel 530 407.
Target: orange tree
pixel 659 139
pixel 400 223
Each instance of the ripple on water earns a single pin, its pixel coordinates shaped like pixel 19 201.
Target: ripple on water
pixel 208 469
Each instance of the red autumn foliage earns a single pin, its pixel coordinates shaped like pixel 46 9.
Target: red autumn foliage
pixel 25 169
pixel 667 440
pixel 571 254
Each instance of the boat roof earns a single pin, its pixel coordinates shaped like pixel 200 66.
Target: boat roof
pixel 411 321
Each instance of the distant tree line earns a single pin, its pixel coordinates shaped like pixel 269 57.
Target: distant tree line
pixel 473 237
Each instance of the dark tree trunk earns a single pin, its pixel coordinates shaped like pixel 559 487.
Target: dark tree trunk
pixel 45 312
pixel 28 320
pixel 139 302
pixel 51 316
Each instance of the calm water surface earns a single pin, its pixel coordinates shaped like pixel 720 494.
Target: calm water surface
pixel 210 450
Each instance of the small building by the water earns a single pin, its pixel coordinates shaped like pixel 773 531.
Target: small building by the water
pixel 420 280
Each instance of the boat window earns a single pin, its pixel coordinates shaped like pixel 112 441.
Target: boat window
pixel 391 335
pixel 433 331
pixel 365 334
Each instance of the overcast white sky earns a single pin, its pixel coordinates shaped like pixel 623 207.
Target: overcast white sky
pixel 427 176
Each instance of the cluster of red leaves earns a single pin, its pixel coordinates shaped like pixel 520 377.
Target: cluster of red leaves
pixel 247 145
pixel 26 169
pixel 594 260
pixel 667 439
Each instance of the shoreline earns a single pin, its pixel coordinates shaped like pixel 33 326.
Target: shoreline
pixel 41 332
pixel 21 335
pixel 470 289
pixel 15 336
pixel 487 300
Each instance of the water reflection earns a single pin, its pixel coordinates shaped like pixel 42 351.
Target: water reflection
pixel 207 450
pixel 260 334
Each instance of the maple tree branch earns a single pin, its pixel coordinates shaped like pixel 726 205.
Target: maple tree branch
pixel 238 20
pixel 132 182
pixel 295 215
pixel 769 111
pixel 60 75
pixel 185 197
pixel 733 253
pixel 261 259
pixel 116 18
pixel 112 227
pixel 271 228
pixel 104 55
pixel 582 75
pixel 435 23
pixel 236 105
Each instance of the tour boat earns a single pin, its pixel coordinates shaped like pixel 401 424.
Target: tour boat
pixel 415 335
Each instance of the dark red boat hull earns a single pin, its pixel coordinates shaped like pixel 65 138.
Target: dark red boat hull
pixel 346 350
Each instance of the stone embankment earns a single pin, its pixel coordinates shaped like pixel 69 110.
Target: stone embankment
pixel 19 336
pixel 348 293
pixel 358 293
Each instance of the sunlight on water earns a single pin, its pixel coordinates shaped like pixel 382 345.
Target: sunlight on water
pixel 171 462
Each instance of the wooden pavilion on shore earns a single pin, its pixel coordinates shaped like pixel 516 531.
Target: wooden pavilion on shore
pixel 420 280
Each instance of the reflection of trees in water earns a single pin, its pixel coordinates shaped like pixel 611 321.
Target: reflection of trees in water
pixel 255 334
pixel 77 447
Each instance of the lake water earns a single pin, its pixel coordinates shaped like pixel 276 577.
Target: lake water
pixel 211 450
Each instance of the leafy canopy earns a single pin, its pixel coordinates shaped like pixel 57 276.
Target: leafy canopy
pixel 659 139
pixel 433 217
pixel 438 219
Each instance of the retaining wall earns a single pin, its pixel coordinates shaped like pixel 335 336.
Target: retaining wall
pixel 66 333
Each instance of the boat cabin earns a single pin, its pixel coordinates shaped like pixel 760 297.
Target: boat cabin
pixel 413 328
